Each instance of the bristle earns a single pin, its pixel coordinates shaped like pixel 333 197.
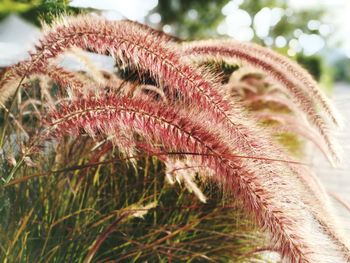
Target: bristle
pixel 187 114
pixel 292 70
pixel 283 215
pixel 241 52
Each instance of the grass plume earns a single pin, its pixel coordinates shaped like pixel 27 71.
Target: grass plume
pixel 197 126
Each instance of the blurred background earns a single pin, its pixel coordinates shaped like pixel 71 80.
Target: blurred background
pixel 315 33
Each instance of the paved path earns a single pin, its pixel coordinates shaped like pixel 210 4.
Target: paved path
pixel 337 180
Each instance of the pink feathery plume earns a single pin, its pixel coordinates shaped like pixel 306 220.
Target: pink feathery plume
pixel 134 45
pixel 274 200
pixel 242 51
pixel 256 180
pixel 15 76
pixel 271 62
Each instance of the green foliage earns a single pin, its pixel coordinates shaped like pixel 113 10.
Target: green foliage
pixel 61 216
pixel 180 15
pixel 206 16
pixel 36 11
pixel 312 64
pixel 320 70
pixel 343 70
